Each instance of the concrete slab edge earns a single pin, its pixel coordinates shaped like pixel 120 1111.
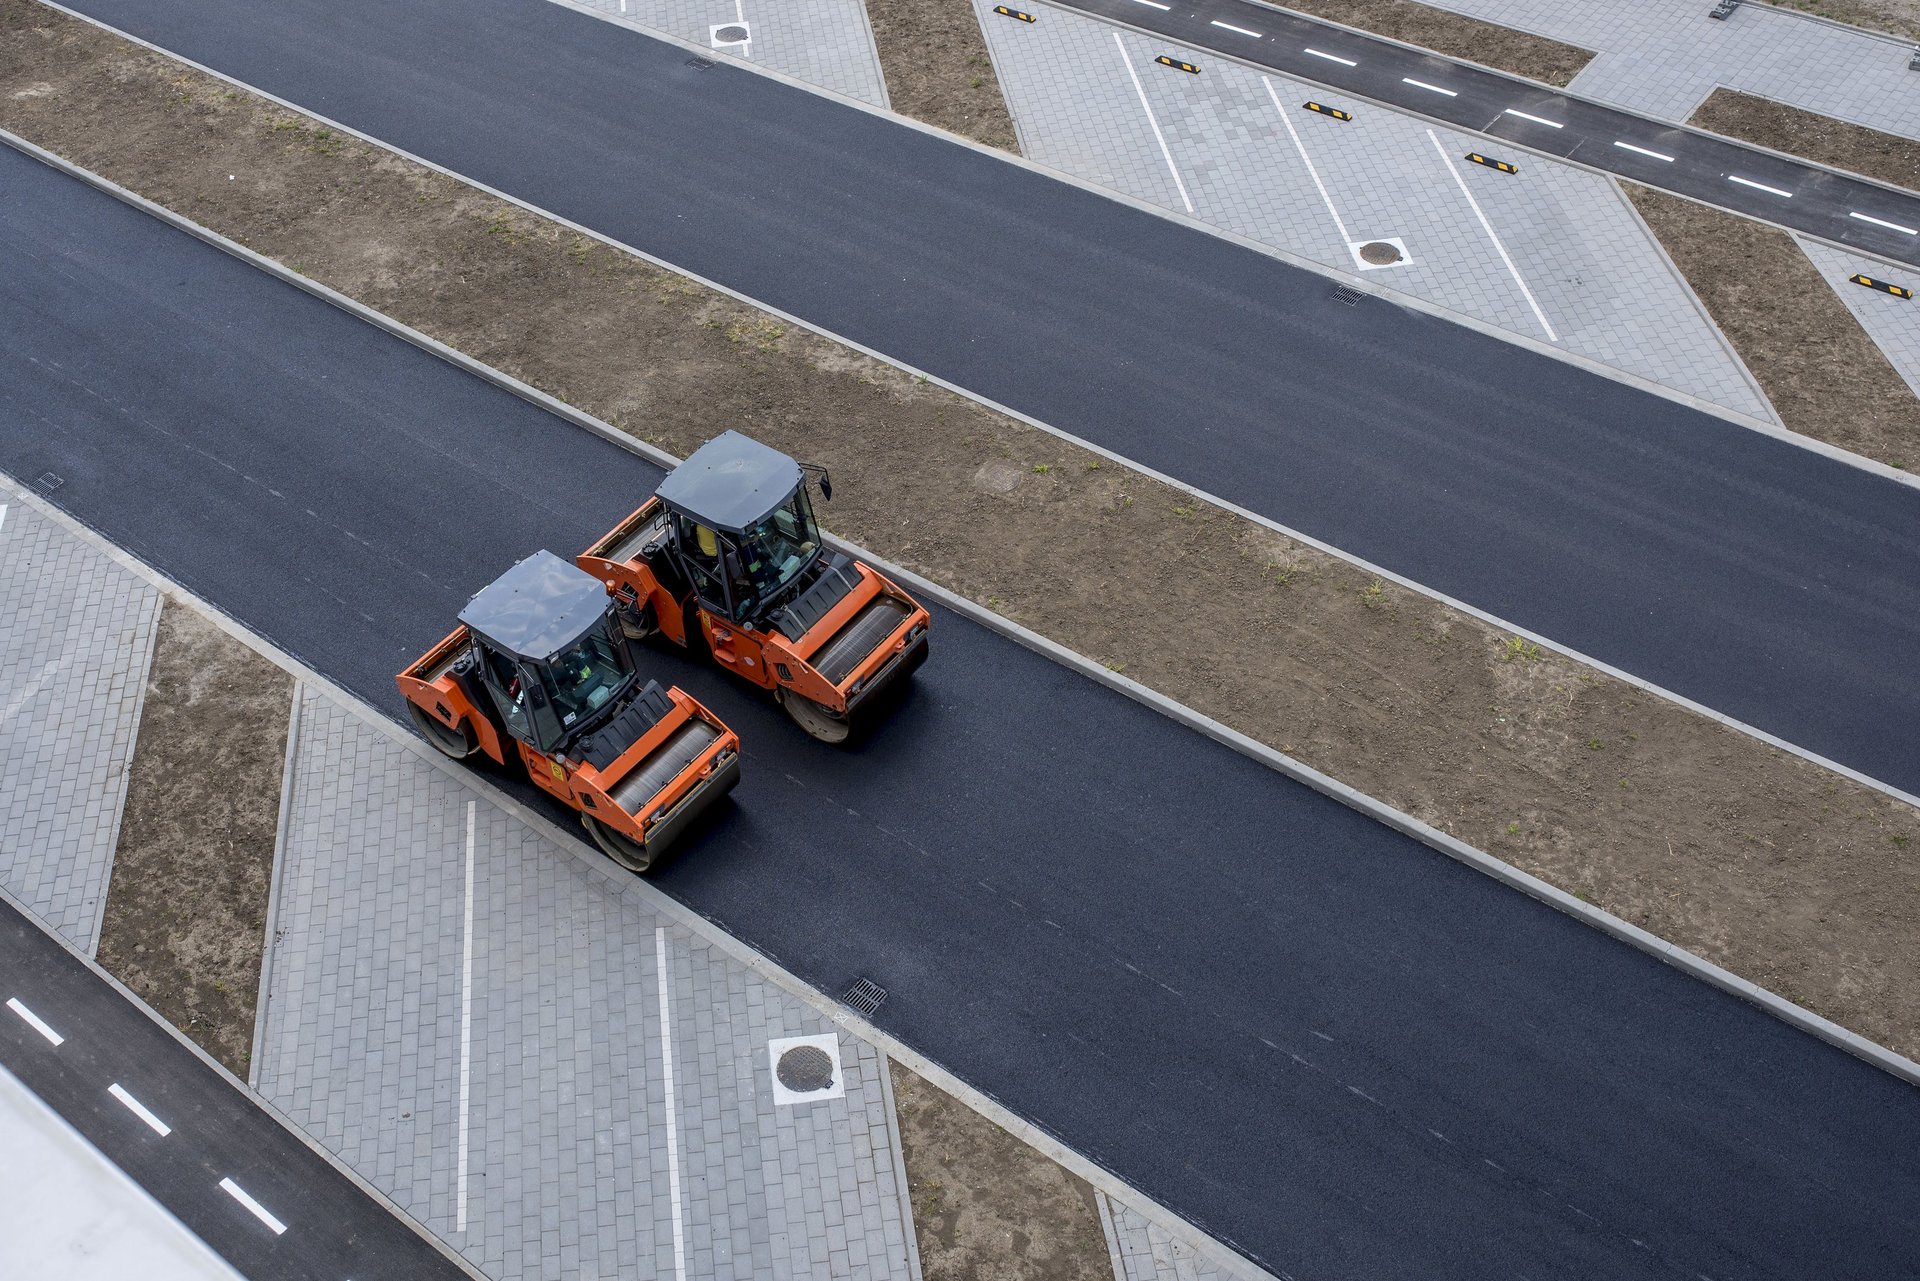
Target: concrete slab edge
pixel 120 798
pixel 379 1198
pixel 1352 281
pixel 664 459
pixel 273 886
pixel 1112 1234
pixel 898 1152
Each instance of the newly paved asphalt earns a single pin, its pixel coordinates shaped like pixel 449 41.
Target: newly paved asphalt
pixel 330 1228
pixel 1749 575
pixel 1317 1038
pixel 1866 215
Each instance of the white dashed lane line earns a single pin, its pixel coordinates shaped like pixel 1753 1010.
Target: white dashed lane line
pixel 33 1020
pixel 1421 84
pixel 139 1109
pixel 1331 57
pixel 258 1211
pixel 1882 222
pixel 1759 186
pixel 1154 4
pixel 1228 26
pixel 1642 151
pixel 1551 124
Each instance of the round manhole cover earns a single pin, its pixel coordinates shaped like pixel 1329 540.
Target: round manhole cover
pixel 730 35
pixel 804 1069
pixel 1379 253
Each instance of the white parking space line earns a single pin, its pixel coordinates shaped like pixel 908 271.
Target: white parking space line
pixel 673 1115
pixel 1224 26
pixel 259 1211
pixel 1158 137
pixel 33 1020
pixel 466 1035
pixel 1878 222
pixel 1331 57
pixel 3 513
pixel 1532 302
pixel 1307 160
pixel 1536 119
pixel 1421 84
pixel 1642 151
pixel 139 1109
pixel 1758 186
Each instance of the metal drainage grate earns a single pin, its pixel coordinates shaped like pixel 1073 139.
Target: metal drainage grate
pixel 805 1069
pixel 865 996
pixel 1342 293
pixel 49 482
pixel 700 64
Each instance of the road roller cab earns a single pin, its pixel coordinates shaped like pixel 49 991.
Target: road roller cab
pixel 541 670
pixel 727 556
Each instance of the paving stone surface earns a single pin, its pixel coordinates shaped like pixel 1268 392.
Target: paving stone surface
pixel 1236 149
pixel 76 640
pixel 1142 1250
pixel 1893 323
pixel 823 42
pixel 570 1164
pixel 1663 57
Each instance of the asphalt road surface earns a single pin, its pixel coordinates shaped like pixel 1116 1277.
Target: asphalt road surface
pixel 1320 1040
pixel 1749 575
pixel 235 1176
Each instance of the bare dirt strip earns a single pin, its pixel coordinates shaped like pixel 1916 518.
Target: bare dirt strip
pixel 1886 157
pixel 1895 17
pixel 1788 875
pixel 937 68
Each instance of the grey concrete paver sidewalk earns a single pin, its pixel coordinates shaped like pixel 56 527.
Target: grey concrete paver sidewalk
pixel 1893 323
pixel 1663 57
pixel 76 641
pixel 570 1167
pixel 1143 1250
pixel 1554 253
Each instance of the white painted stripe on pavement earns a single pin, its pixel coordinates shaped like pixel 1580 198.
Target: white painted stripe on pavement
pixel 1330 57
pixel 1878 222
pixel 33 1020
pixel 1642 151
pixel 1307 160
pixel 1421 84
pixel 673 1118
pixel 466 1035
pixel 1228 26
pixel 3 511
pixel 1514 271
pixel 259 1211
pixel 1155 124
pixel 1536 119
pixel 139 1109
pixel 1758 186
pixel 1153 4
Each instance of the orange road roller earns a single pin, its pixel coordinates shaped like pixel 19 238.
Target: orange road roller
pixel 726 558
pixel 541 670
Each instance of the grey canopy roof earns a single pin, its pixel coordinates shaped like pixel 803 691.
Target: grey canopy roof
pixel 731 482
pixel 537 608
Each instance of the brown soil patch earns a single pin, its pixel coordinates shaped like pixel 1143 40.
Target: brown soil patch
pixel 987 1207
pixel 1789 875
pixel 1896 17
pixel 1886 157
pixel 187 904
pixel 1456 36
pixel 937 69
pixel 1824 375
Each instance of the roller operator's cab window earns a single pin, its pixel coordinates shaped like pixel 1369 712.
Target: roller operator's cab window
pixel 542 703
pixel 737 575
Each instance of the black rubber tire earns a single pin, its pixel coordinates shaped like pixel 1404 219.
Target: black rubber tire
pixel 813 718
pixel 617 846
pixel 458 744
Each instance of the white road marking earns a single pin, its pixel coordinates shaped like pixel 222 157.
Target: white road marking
pixel 1758 186
pixel 1307 160
pixel 1514 271
pixel 239 1194
pixel 673 1120
pixel 1224 26
pixel 1642 151
pixel 1421 84
pixel 33 1020
pixel 1145 106
pixel 1878 222
pixel 3 513
pixel 1536 119
pixel 1153 4
pixel 1331 57
pixel 466 1034
pixel 139 1109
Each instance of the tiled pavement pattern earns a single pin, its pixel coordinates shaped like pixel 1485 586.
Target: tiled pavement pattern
pixel 1893 323
pixel 76 639
pixel 1604 286
pixel 568 1166
pixel 1142 1250
pixel 823 42
pixel 1662 57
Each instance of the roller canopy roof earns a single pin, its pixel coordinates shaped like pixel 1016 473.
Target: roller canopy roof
pixel 537 608
pixel 731 482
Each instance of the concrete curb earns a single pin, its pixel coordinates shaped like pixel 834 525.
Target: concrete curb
pixel 133 745
pixel 899 1154
pixel 379 1198
pixel 273 886
pixel 1606 922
